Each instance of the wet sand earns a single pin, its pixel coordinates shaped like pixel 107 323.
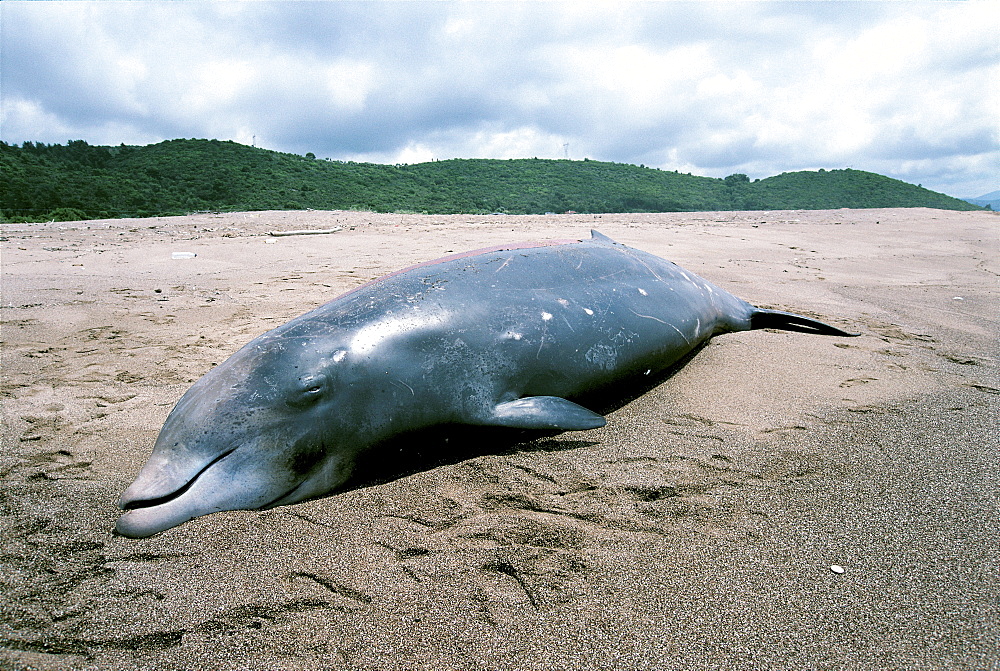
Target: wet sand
pixel 696 530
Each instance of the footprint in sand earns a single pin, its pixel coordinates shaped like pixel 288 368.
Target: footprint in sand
pixel 854 381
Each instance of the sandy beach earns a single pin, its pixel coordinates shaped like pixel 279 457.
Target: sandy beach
pixel 697 530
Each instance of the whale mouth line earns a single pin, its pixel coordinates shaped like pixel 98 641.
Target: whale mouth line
pixel 177 493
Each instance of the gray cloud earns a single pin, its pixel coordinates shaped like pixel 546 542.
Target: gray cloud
pixel 905 89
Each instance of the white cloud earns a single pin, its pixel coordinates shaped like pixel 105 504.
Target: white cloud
pixel 490 142
pixel 907 89
pixel 18 113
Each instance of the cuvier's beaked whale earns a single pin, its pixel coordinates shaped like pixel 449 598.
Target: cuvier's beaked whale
pixel 496 337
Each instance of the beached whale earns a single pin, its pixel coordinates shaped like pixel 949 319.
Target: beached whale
pixel 501 337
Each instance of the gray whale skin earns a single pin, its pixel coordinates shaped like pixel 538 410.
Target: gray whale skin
pixel 496 337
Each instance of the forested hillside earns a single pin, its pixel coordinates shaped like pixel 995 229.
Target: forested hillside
pixel 41 182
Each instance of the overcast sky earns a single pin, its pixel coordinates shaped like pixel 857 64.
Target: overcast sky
pixel 906 89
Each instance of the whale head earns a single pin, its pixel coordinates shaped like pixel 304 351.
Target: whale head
pixel 266 427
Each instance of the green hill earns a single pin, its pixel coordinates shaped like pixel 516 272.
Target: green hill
pixel 41 182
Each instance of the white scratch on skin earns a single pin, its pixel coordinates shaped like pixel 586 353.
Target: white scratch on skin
pixel 610 275
pixel 679 332
pixel 649 317
pixel 545 331
pixel 405 385
pixel 646 265
pixel 504 264
pixel 643 291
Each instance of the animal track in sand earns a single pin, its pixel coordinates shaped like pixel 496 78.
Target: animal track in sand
pixel 857 380
pixel 790 465
pixel 104 400
pixel 894 333
pixel 42 426
pixel 102 333
pixel 60 465
pixel 353 596
pixel 961 359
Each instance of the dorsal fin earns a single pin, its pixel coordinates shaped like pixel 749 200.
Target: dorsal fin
pixel 597 236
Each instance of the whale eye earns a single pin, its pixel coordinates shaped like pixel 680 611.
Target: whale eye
pixel 310 389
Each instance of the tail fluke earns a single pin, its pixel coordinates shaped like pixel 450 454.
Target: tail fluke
pixel 787 321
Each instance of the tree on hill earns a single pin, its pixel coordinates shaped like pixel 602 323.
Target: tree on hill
pixel 46 182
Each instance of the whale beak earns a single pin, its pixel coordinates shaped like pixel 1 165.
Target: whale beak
pixel 237 478
pixel 160 480
pixel 154 501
